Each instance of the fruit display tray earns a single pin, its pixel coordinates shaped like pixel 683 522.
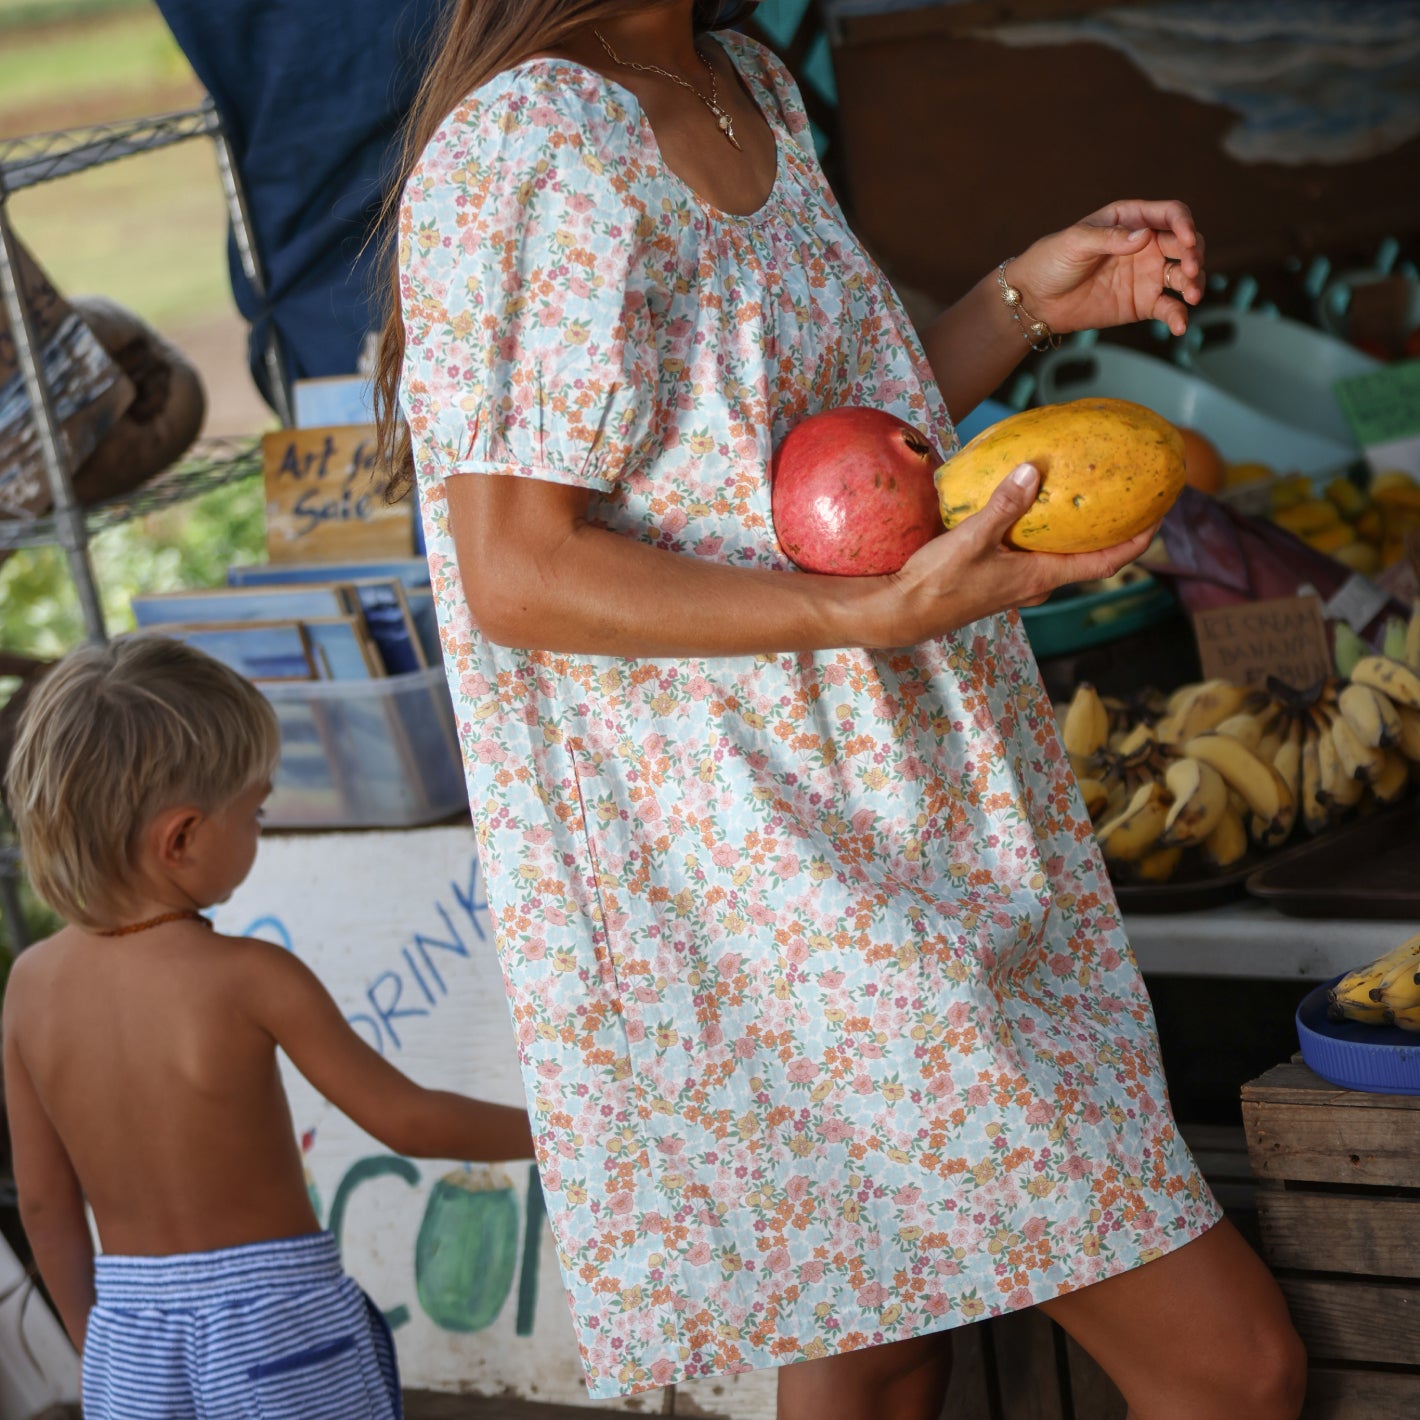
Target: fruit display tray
pixel 1186 894
pixel 1382 1060
pixel 1370 868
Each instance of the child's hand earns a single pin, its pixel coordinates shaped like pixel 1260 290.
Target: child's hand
pixel 285 997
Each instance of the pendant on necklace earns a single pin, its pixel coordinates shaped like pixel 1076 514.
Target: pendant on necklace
pixel 728 129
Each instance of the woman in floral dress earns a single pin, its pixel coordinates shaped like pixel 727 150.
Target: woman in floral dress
pixel 831 1033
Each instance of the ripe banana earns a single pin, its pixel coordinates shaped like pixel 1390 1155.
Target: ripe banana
pixel 1338 788
pixel 1243 727
pixel 1370 714
pixel 1394 679
pixel 1314 810
pixel 1086 728
pixel 1095 793
pixel 1398 988
pixel 1209 704
pixel 1227 844
pixel 1136 739
pixel 1390 784
pixel 1130 835
pixel 1158 865
pixel 1409 741
pixel 1407 1017
pixel 1288 764
pixel 1200 799
pixel 1267 795
pixel 1362 984
pixel 1358 761
pixel 1365 1012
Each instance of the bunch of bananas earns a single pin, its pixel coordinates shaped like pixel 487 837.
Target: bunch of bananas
pixel 1385 992
pixel 1222 769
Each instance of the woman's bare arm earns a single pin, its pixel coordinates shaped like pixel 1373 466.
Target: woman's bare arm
pixel 539 576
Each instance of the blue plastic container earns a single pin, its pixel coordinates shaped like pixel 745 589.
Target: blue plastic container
pixel 1382 1060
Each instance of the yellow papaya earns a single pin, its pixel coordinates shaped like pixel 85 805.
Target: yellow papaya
pixel 1108 470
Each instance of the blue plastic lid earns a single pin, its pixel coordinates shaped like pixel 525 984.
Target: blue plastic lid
pixel 1382 1060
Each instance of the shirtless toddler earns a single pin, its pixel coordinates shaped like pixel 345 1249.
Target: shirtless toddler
pixel 140 1063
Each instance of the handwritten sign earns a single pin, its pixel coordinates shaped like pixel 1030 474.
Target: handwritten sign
pixel 1383 410
pixel 1248 642
pixel 325 498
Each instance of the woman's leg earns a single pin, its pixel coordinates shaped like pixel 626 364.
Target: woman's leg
pixel 906 1380
pixel 1200 1334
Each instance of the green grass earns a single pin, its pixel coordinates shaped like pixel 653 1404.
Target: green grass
pixel 17 14
pixel 116 65
pixel 148 231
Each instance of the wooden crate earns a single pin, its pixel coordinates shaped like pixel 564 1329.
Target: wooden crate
pixel 1338 1195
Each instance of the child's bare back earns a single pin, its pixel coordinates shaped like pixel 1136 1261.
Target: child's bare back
pixel 140 1061
pixel 153 1059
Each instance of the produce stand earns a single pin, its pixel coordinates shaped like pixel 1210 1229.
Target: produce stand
pixel 393 919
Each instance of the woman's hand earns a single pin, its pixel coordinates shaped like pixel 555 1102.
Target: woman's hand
pixel 969 572
pixel 1129 261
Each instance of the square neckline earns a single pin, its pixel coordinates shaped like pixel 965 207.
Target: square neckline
pixel 756 94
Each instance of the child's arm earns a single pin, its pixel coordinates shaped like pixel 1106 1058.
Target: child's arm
pixel 289 1002
pixel 51 1201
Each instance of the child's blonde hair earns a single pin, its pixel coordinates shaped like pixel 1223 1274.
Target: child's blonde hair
pixel 114 735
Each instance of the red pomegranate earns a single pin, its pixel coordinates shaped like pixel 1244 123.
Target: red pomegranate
pixel 852 492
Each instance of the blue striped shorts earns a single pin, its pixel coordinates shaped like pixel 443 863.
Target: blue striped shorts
pixel 269 1331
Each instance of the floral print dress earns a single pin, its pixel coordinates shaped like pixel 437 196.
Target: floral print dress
pixel 827 1020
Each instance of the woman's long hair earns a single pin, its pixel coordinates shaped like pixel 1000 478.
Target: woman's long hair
pixel 478 39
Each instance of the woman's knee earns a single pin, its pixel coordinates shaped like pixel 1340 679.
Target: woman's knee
pixel 1273 1374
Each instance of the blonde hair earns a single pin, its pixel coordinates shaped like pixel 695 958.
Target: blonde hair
pixel 114 735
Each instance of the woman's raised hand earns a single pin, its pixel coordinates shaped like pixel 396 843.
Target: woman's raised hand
pixel 1127 262
pixel 970 572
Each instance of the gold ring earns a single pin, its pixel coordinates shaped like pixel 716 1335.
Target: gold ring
pixel 1168 274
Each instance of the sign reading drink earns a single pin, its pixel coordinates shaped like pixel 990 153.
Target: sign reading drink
pixel 1250 641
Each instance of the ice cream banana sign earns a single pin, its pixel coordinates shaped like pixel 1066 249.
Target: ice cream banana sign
pixel 475 1240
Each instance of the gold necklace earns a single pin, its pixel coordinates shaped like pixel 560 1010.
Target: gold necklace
pixel 183 914
pixel 726 123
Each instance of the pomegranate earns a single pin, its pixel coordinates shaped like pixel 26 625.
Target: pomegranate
pixel 852 492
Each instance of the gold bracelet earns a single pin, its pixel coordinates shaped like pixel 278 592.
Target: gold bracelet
pixel 1038 335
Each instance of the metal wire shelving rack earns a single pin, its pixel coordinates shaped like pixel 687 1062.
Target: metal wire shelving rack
pixel 45 157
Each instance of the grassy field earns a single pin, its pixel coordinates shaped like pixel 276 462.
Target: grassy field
pixel 150 231
pixel 16 14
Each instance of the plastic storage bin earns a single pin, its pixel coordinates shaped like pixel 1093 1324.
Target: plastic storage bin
pixel 1282 368
pixel 1069 623
pixel 377 753
pixel 1241 433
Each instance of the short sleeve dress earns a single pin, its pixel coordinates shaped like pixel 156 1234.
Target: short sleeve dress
pixel 827 1020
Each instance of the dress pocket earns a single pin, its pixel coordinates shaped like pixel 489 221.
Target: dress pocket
pixel 315 1383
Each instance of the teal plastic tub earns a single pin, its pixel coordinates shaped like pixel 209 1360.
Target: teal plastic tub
pixel 1068 623
pixel 1280 367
